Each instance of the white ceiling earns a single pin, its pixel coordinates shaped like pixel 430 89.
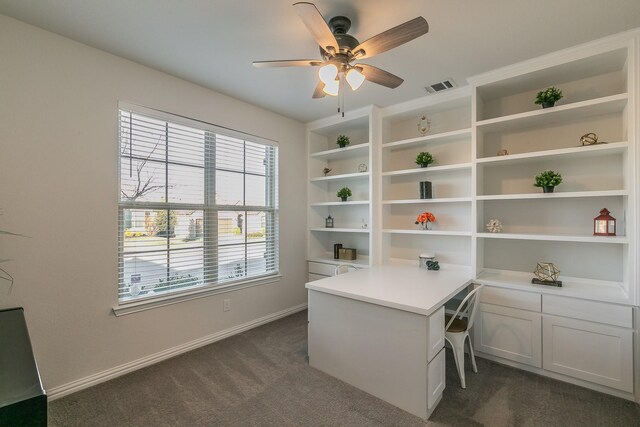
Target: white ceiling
pixel 213 43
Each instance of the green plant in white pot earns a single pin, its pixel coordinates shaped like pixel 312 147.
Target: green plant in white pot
pixel 548 180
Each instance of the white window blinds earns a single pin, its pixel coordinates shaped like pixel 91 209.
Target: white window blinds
pixel 198 205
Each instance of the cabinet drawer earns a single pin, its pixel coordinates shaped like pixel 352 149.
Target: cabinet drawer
pixel 436 379
pixel 313 277
pixel 510 298
pixel 593 352
pixel 592 311
pixel 321 268
pixel 509 333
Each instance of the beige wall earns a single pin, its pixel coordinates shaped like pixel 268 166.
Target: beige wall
pixel 58 185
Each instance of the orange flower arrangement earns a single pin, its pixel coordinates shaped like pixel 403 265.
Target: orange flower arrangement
pixel 425 217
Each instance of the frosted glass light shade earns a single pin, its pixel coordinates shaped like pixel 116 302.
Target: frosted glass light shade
pixel 332 88
pixel 354 78
pixel 328 73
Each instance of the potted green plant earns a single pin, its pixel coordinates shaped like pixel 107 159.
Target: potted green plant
pixel 548 180
pixel 424 159
pixel 343 193
pixel 548 97
pixel 343 141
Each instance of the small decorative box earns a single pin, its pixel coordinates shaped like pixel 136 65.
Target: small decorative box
pixel 347 253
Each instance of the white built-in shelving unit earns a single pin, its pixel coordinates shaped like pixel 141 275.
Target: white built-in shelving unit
pixel 449 141
pixel 350 217
pixel 556 227
pixel 527 325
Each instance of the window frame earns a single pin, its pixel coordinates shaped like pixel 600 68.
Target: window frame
pixel 210 211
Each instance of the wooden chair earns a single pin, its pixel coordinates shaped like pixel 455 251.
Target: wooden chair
pixel 457 330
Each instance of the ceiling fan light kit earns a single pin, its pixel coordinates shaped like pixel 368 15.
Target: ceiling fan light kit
pixel 340 50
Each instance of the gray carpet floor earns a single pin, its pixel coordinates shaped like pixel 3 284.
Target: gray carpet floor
pixel 261 378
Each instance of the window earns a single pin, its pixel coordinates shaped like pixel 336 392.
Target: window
pixel 198 205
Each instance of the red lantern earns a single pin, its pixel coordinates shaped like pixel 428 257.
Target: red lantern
pixel 604 224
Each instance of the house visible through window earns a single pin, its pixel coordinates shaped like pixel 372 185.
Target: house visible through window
pixel 198 205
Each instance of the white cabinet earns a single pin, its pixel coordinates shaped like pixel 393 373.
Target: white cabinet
pixel 586 340
pixel 390 353
pixel 509 333
pixel 593 352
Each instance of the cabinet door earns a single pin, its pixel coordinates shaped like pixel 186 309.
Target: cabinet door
pixel 509 333
pixel 436 379
pixel 598 353
pixel 435 341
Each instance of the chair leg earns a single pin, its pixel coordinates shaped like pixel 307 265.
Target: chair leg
pixel 473 357
pixel 457 343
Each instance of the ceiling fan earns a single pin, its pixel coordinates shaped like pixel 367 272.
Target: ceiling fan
pixel 341 51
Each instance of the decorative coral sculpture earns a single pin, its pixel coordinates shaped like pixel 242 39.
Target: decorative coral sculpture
pixel 494 226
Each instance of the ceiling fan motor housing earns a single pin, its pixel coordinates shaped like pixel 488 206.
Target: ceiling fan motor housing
pixel 339 26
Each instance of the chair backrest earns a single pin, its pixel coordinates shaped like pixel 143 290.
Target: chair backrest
pixel 468 307
pixel 344 268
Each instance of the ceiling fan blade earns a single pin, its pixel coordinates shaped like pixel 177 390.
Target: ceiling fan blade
pixel 288 63
pixel 316 24
pixel 318 92
pixel 394 37
pixel 381 77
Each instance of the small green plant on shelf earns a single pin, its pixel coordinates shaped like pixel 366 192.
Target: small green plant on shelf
pixel 548 180
pixel 548 97
pixel 344 193
pixel 343 141
pixel 424 159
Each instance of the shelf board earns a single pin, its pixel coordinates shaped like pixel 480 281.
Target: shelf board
pixel 556 238
pixel 339 203
pixel 427 232
pixel 434 169
pixel 344 176
pixel 562 113
pixel 361 261
pixel 560 195
pixel 340 230
pixel 436 137
pixel 348 151
pixel 421 201
pixel 597 290
pixel 573 152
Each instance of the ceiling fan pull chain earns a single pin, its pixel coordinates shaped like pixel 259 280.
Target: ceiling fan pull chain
pixel 341 95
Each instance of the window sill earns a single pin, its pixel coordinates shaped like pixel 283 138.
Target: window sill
pixel 136 306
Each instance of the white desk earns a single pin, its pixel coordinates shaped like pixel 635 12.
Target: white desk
pixel 382 330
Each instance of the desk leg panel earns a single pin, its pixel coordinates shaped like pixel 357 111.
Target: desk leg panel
pixel 380 350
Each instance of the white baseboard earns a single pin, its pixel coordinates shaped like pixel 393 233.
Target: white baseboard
pixel 91 380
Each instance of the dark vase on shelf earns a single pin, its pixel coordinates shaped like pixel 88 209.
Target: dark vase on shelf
pixel 424 166
pixel 425 190
pixel 548 189
pixel 548 104
pixel 344 199
pixel 336 250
